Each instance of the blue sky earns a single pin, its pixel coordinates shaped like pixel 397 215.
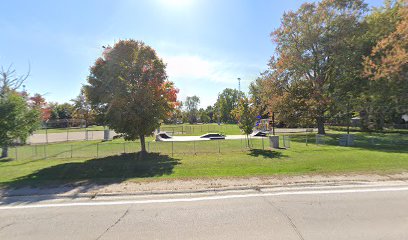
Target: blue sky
pixel 207 44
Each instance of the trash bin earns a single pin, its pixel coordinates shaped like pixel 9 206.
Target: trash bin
pixel 106 134
pixel 274 142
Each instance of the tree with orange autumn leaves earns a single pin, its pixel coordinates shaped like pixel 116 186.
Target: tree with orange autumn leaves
pixel 130 82
pixel 389 57
pixel 37 101
pixel 333 61
pixel 314 56
pixel 387 67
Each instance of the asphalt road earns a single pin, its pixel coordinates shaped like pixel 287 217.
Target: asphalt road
pixel 379 212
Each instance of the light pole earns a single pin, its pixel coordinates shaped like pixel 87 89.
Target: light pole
pixel 239 85
pixel 219 111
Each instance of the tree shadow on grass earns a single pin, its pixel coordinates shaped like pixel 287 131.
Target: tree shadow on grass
pixel 265 153
pixel 90 175
pixel 4 160
pixel 392 143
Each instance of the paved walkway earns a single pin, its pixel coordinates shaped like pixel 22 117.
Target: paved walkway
pixel 67 136
pixel 98 135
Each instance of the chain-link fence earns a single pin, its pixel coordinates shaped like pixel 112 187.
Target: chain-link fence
pixel 46 136
pixel 68 135
pixel 353 140
pixel 93 149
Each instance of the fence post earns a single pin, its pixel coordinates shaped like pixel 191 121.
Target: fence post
pixel 284 141
pixel 306 139
pixel 71 150
pixel 46 135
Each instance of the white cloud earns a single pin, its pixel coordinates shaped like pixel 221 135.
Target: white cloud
pixel 194 67
pixel 204 77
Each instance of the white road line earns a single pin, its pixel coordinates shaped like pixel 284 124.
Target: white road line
pixel 208 198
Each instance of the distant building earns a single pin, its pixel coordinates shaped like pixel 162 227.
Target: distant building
pixel 405 118
pixel 355 122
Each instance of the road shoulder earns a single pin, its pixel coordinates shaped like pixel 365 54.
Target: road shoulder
pixel 186 186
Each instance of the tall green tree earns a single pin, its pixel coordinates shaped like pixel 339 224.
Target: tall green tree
pixel 257 97
pixel 227 101
pixel 82 108
pixel 130 81
pixel 210 112
pixel 245 113
pixel 204 118
pixel 17 119
pixel 191 105
pixel 61 111
pixel 315 52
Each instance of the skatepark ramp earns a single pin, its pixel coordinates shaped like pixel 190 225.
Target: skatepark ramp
pixel 213 136
pixel 259 134
pixel 162 135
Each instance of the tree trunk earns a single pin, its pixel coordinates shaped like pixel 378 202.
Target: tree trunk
pixel 143 143
pixel 249 145
pixel 4 152
pixel 320 125
pixel 364 122
pixel 380 121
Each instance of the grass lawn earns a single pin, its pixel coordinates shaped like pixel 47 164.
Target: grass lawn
pixel 118 161
pixel 179 129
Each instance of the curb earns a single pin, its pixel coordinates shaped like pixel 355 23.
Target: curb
pixel 218 190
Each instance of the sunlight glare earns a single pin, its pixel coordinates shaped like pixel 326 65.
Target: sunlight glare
pixel 177 3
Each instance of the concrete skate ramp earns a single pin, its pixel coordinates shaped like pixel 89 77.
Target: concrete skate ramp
pixel 259 134
pixel 162 136
pixel 212 135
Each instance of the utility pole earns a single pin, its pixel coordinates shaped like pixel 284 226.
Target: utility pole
pixel 348 119
pixel 239 85
pixel 219 111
